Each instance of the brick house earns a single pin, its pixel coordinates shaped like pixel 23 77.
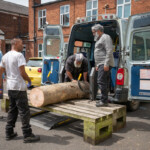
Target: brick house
pixel 13 23
pixel 65 13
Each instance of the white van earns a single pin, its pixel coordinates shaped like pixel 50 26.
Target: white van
pixel 130 78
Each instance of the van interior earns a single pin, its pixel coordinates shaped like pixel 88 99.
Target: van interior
pixel 82 41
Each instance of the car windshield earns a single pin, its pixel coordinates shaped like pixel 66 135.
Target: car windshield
pixel 34 63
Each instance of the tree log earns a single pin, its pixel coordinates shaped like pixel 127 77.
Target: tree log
pixel 50 94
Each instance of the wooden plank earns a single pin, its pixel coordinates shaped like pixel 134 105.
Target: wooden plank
pixel 83 108
pixel 91 104
pixel 77 115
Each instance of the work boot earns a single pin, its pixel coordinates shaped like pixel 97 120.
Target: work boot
pixel 11 136
pixel 31 138
pixel 101 104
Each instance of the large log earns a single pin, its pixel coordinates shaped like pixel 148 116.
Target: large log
pixel 50 94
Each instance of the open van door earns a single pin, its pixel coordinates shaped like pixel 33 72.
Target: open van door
pixel 138 57
pixel 53 53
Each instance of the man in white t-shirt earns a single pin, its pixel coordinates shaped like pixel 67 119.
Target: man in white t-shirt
pixel 13 63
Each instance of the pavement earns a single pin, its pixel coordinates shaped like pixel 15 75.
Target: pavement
pixel 135 136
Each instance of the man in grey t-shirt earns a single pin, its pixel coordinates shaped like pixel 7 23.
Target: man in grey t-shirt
pixel 104 61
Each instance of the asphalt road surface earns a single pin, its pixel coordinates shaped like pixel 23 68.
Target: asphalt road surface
pixel 135 136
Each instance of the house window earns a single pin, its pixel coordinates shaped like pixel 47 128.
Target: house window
pixel 40 50
pixel 42 18
pixel 92 10
pixel 64 15
pixel 123 8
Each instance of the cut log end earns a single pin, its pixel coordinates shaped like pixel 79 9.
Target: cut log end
pixel 36 97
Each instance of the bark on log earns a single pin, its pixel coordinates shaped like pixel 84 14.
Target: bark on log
pixel 50 94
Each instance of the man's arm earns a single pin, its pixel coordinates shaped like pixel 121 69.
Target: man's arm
pixel 69 75
pixel 109 52
pixel 24 74
pixel 2 70
pixel 85 76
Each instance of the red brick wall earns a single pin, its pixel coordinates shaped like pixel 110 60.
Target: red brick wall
pixel 13 26
pixel 140 6
pixel 10 25
pixel 77 9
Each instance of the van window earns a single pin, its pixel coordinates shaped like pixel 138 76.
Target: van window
pixel 53 47
pixel 141 46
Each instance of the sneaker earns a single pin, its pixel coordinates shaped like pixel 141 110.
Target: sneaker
pixel 100 104
pixel 11 136
pixel 31 139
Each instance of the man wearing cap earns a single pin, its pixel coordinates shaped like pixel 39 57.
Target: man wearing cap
pixel 104 61
pixel 75 65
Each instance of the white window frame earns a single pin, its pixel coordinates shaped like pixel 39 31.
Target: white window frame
pixel 65 13
pixel 40 51
pixel 124 3
pixel 41 17
pixel 92 9
pixel 24 50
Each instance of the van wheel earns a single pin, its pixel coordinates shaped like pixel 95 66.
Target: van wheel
pixel 133 105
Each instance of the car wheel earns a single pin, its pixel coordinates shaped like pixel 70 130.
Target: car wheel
pixel 133 105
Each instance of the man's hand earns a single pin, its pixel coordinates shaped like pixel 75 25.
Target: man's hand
pixel 96 68
pixel 106 68
pixel 29 84
pixel 74 81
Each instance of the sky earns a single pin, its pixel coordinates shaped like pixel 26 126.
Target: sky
pixel 25 2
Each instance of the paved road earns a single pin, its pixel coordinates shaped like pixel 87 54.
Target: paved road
pixel 135 136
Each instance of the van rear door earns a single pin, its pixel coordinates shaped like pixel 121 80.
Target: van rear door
pixel 138 60
pixel 52 55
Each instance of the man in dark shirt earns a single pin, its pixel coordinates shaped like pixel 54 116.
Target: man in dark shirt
pixel 75 65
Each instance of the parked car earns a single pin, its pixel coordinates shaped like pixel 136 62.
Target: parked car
pixel 34 70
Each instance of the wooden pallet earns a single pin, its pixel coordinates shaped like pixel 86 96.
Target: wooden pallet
pixel 97 124
pixel 118 111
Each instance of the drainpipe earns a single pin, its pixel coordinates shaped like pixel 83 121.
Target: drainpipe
pixel 34 30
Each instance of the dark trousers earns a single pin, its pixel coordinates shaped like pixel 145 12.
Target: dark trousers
pixel 18 103
pixel 103 81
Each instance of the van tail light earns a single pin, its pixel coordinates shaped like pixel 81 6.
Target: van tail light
pixel 120 77
pixel 39 70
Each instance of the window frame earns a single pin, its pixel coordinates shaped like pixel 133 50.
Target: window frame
pixel 40 51
pixel 123 7
pixel 65 13
pixel 42 17
pixel 24 50
pixel 91 10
